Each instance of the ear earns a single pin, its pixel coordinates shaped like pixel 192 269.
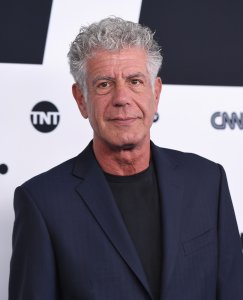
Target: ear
pixel 80 99
pixel 157 90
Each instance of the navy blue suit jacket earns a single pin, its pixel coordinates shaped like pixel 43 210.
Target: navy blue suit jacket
pixel 70 242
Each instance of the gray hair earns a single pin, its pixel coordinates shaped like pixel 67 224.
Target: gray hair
pixel 112 34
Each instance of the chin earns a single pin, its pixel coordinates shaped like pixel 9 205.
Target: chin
pixel 127 143
pixel 127 147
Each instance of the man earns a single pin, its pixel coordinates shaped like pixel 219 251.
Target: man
pixel 125 219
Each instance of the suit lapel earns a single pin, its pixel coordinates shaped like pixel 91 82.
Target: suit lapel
pixel 95 192
pixel 170 183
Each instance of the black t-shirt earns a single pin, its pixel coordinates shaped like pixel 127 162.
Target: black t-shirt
pixel 137 198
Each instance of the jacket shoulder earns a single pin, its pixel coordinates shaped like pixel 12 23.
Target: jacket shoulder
pixel 51 177
pixel 191 162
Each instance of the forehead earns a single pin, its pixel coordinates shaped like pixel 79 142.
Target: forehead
pixel 127 60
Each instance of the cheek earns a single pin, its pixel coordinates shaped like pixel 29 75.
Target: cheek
pixel 152 106
pixel 155 103
pixel 96 114
pixel 91 113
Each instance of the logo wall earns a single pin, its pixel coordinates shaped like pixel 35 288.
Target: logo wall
pixel 27 25
pixel 202 41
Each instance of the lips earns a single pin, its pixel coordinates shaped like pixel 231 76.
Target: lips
pixel 123 121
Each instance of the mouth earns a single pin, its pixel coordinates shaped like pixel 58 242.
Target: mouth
pixel 123 121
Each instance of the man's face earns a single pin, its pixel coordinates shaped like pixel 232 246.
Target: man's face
pixel 121 100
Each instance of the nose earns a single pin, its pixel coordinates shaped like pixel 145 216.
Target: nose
pixel 120 95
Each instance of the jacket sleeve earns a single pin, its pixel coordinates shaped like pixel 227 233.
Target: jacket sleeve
pixel 230 259
pixel 32 267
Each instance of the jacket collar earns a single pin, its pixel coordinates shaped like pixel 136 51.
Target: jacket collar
pixel 170 182
pixel 95 192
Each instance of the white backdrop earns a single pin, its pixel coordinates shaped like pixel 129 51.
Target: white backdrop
pixel 184 123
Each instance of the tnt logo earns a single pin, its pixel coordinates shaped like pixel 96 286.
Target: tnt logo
pixel 45 116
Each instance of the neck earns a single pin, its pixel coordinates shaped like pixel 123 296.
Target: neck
pixel 127 160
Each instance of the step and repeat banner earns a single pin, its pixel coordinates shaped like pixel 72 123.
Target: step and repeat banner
pixel 201 106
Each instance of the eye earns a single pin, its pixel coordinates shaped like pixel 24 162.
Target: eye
pixel 103 85
pixel 136 81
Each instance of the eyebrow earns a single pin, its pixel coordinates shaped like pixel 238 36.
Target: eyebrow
pixel 97 78
pixel 138 74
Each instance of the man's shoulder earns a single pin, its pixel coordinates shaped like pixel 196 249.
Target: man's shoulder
pixel 189 157
pixel 56 175
pixel 62 173
pixel 58 184
pixel 194 170
pixel 188 161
